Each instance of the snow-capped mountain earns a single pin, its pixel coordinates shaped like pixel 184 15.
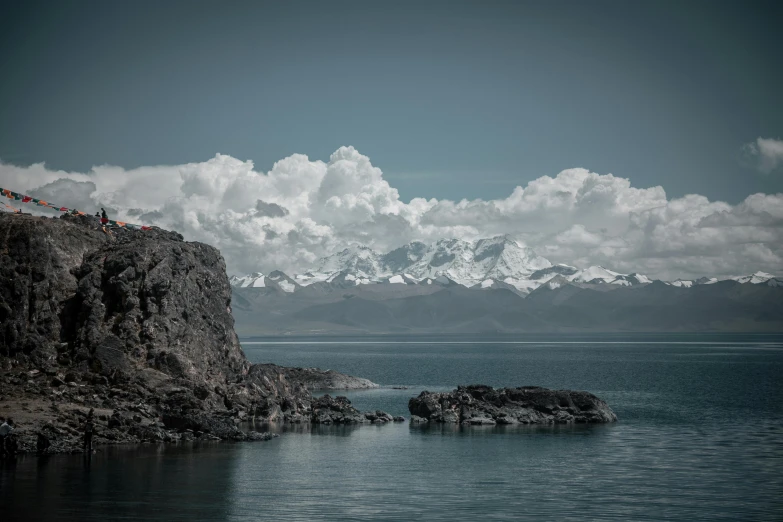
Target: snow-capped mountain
pixel 594 274
pixel 254 280
pixel 465 262
pixel 757 278
pixel 498 262
pixel 282 281
pixel 601 275
pixel 277 280
pixel 355 259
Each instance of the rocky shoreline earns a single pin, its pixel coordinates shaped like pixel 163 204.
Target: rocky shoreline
pixel 136 325
pixel 56 405
pixel 484 405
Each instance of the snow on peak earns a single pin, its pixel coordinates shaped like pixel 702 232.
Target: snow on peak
pixel 594 274
pixel 757 278
pixel 465 262
pixel 356 258
pixel 276 280
pixel 471 262
pixel 255 280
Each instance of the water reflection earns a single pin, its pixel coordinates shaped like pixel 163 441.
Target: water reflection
pixel 434 428
pixel 280 428
pixel 164 482
pixel 698 439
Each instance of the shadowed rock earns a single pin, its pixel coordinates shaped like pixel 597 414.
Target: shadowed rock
pixel 479 404
pixel 338 410
pixel 136 325
pixel 317 379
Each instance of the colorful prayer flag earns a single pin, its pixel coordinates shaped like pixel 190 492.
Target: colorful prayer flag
pixel 10 194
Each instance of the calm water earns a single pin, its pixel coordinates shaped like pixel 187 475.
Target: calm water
pixel 700 437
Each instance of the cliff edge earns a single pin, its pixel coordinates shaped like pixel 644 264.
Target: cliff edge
pixel 136 325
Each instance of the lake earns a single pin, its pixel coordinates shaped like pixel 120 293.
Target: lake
pixel 699 437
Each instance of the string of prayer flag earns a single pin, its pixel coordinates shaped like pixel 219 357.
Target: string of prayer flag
pixel 10 194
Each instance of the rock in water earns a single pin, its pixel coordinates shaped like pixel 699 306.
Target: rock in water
pixel 317 379
pixel 478 404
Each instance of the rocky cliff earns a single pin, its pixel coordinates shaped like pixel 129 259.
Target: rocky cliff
pixel 136 325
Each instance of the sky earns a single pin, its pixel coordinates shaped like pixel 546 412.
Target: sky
pixel 645 136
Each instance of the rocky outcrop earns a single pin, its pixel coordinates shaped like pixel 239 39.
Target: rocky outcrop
pixel 338 410
pixel 478 404
pixel 136 325
pixel 317 379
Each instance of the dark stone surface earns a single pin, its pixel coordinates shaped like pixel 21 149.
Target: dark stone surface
pixel 317 379
pixel 136 325
pixel 479 404
pixel 338 410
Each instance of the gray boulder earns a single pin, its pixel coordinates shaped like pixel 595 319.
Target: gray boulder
pixel 484 405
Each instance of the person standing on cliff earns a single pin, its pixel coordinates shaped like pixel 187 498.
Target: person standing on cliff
pixel 89 428
pixel 104 222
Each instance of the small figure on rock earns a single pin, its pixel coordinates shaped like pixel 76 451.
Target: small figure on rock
pixel 104 222
pixel 42 443
pixel 89 428
pixel 6 429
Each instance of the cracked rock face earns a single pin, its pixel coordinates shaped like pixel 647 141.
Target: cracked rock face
pixel 157 303
pixel 71 296
pixel 138 326
pixel 479 405
pixel 141 317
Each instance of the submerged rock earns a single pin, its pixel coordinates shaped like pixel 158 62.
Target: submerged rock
pixel 261 436
pixel 484 405
pixel 317 379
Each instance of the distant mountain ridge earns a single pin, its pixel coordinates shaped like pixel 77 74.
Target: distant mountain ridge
pixel 491 285
pixel 492 263
pixel 465 262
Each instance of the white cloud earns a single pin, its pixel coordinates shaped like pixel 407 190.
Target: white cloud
pixel 766 154
pixel 303 209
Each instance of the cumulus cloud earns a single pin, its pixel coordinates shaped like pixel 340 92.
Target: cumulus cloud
pixel 766 154
pixel 304 209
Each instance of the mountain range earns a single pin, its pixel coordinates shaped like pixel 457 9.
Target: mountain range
pixel 492 284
